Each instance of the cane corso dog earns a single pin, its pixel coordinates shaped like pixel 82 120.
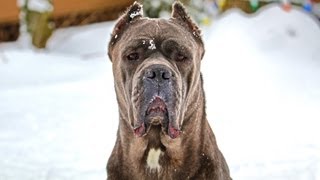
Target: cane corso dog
pixel 163 130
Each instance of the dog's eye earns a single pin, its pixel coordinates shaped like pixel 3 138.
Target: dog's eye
pixel 133 56
pixel 180 57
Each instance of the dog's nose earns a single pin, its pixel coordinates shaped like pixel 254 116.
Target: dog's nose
pixel 158 74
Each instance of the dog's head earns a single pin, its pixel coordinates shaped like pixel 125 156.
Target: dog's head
pixel 156 65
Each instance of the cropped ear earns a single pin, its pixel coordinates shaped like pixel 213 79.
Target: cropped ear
pixel 133 13
pixel 180 15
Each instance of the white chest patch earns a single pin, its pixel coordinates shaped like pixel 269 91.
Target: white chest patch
pixel 153 159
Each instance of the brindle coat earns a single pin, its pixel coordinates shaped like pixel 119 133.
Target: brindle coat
pixel 187 143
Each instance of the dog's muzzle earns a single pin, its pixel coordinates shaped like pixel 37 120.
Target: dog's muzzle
pixel 158 101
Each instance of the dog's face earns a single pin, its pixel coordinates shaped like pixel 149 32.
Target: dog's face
pixel 156 64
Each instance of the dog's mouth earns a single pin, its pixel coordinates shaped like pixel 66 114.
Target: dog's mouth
pixel 157 114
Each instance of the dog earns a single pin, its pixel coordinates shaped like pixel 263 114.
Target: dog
pixel 163 132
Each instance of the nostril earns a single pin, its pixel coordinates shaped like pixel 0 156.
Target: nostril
pixel 166 75
pixel 150 74
pixel 158 74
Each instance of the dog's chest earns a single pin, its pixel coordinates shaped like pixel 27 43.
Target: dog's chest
pixel 153 159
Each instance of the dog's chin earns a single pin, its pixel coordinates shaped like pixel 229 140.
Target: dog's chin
pixel 157 114
pixel 157 119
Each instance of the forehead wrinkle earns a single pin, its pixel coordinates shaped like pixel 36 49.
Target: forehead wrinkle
pixel 145 28
pixel 177 33
pixel 156 29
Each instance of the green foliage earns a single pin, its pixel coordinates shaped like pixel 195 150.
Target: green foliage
pixel 198 9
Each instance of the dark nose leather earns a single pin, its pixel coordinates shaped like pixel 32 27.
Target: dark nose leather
pixel 158 74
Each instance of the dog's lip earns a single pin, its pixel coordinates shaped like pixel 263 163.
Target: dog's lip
pixel 156 113
pixel 140 130
pixel 173 132
pixel 157 105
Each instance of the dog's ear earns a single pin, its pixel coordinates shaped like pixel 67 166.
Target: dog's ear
pixel 180 15
pixel 133 13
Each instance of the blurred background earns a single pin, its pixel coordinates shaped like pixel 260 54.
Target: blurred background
pixel 58 112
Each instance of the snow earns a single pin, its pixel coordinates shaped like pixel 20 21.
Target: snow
pixel 264 93
pixel 58 114
pixel 134 14
pixel 137 12
pixel 37 5
pixel 152 45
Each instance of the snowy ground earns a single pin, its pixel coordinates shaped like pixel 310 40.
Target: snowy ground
pixel 58 114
